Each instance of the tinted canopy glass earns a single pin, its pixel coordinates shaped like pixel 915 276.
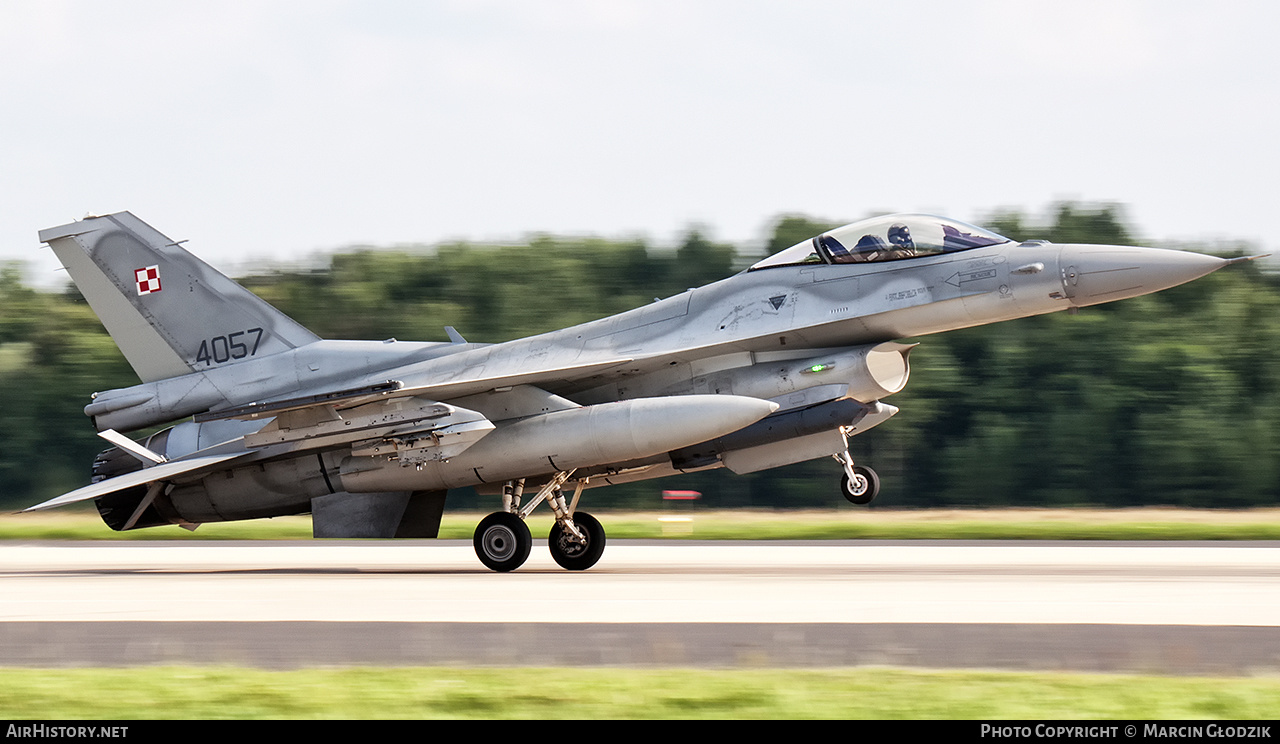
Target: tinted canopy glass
pixel 888 238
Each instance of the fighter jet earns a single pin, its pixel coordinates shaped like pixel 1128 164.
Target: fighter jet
pixel 778 364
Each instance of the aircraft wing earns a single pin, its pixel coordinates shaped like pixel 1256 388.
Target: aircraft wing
pixel 391 389
pixel 164 471
pixel 411 417
pixel 422 428
pixel 459 388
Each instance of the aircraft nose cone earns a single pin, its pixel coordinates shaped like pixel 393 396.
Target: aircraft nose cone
pixel 1093 274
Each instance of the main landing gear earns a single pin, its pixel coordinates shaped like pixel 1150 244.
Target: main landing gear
pixel 502 539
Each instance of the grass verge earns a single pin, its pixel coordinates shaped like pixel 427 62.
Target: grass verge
pixel 594 693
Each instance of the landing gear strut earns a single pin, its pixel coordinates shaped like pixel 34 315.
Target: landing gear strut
pixel 502 539
pixel 859 484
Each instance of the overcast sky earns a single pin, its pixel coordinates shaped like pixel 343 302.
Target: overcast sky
pixel 280 129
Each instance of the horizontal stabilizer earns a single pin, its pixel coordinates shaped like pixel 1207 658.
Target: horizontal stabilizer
pixel 164 471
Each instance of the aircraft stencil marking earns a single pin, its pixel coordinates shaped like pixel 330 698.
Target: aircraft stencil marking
pixel 368 436
pixel 906 294
pixel 963 277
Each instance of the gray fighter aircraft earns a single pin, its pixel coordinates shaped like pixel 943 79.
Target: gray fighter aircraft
pixel 778 364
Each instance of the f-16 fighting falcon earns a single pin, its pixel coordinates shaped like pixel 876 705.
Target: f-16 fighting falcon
pixel 778 364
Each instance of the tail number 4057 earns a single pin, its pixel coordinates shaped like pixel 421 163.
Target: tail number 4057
pixel 236 345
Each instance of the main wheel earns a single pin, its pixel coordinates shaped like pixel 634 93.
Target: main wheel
pixel 571 553
pixel 503 541
pixel 864 486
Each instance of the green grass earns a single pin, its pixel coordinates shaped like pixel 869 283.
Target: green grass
pixel 886 524
pixel 527 693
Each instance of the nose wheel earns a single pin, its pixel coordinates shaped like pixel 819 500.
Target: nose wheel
pixel 859 484
pixel 862 488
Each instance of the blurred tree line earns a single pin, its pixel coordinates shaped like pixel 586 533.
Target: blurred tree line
pixel 1173 398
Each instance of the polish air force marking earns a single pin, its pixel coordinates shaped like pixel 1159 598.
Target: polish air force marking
pixel 148 280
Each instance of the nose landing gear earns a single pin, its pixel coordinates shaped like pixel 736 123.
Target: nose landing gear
pixel 859 484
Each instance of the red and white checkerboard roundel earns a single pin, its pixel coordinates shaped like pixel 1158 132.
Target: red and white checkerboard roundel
pixel 148 280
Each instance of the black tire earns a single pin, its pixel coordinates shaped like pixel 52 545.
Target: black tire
pixel 570 553
pixel 502 541
pixel 863 489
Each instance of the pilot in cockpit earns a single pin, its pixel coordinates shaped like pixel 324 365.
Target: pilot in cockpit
pixel 870 247
pixel 903 245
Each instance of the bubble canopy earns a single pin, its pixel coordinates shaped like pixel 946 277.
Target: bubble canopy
pixel 889 238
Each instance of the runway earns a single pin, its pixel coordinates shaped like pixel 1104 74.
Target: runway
pixel 1148 607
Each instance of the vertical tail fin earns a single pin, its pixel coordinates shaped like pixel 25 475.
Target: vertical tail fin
pixel 169 312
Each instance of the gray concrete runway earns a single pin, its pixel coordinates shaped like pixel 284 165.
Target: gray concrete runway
pixel 1159 607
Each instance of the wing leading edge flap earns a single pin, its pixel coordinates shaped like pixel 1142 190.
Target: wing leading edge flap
pixel 164 471
pixel 541 378
pixel 353 397
pixel 348 397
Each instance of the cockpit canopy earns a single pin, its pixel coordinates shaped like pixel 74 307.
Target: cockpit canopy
pixel 888 238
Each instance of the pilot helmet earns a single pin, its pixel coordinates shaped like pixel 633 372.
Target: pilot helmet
pixel 900 236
